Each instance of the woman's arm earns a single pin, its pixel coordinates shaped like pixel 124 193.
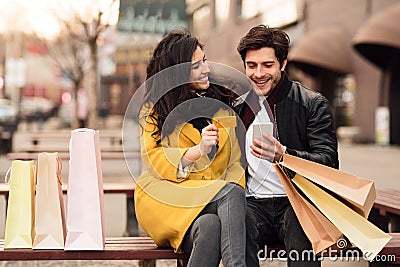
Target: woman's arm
pixel 235 172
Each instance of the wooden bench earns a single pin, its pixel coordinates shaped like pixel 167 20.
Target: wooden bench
pixel 65 155
pixel 109 187
pixel 53 141
pixel 143 248
pixel 386 210
pixel 120 248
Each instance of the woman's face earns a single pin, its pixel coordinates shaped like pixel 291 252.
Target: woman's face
pixel 199 70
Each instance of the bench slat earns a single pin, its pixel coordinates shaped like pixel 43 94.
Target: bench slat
pixel 65 155
pixel 388 201
pixel 132 248
pixel 137 248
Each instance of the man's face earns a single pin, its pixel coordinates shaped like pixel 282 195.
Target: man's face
pixel 263 68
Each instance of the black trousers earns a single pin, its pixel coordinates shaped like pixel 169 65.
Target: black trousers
pixel 272 221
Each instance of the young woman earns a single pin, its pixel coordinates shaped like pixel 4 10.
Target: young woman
pixel 192 195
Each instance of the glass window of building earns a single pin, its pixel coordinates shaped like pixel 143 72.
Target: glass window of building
pixel 275 13
pixel 249 8
pixel 222 8
pixel 279 13
pixel 201 20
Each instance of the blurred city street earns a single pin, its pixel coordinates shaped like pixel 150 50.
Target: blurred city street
pixel 68 64
pixel 378 163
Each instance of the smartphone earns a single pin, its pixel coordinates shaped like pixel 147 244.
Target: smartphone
pixel 260 128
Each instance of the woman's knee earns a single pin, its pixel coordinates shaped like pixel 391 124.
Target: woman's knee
pixel 208 225
pixel 236 192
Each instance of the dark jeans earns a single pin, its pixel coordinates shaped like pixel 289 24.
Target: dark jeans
pixel 219 231
pixel 271 221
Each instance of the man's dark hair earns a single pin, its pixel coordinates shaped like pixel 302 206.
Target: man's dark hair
pixel 263 36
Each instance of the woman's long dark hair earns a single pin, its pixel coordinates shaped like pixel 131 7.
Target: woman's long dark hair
pixel 175 48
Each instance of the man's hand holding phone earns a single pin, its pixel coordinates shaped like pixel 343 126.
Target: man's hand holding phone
pixel 264 145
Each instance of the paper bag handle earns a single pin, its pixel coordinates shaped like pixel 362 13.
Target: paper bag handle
pixel 7 178
pixel 59 169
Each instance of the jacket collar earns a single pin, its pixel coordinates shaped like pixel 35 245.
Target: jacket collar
pixel 192 134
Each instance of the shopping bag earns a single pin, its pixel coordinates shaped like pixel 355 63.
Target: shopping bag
pixel 319 230
pixel 358 193
pixel 49 203
pixel 85 212
pixel 19 228
pixel 362 233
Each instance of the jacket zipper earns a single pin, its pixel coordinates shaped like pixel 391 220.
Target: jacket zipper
pixel 276 125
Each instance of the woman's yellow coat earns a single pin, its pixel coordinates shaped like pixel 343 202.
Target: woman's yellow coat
pixel 165 205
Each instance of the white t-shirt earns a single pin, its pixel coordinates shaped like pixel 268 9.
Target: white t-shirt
pixel 263 181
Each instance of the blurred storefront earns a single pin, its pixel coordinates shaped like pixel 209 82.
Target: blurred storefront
pixel 140 27
pixel 378 40
pixel 323 54
pixel 130 72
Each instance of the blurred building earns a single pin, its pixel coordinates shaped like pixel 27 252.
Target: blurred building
pixel 140 27
pixel 131 52
pixel 347 50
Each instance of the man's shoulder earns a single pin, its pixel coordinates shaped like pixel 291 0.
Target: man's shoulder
pixel 300 91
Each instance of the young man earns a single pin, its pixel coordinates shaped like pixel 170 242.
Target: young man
pixel 303 127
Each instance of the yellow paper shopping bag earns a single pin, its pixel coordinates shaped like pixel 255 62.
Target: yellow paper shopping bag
pixel 19 229
pixel 319 230
pixel 49 207
pixel 366 236
pixel 358 193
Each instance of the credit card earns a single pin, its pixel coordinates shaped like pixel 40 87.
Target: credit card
pixel 225 122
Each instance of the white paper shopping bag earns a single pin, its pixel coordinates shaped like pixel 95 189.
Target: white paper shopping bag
pixel 85 213
pixel 49 208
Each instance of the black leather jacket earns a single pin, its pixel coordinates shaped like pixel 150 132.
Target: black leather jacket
pixel 304 123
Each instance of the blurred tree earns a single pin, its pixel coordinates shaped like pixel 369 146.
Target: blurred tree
pixel 82 23
pixel 72 56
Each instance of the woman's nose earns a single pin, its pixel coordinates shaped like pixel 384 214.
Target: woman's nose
pixel 205 67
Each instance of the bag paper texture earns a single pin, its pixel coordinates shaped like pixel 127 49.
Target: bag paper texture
pixel 49 209
pixel 85 208
pixel 319 230
pixel 358 192
pixel 19 228
pixel 362 233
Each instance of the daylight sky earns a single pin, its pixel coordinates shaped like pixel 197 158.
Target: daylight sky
pixel 38 15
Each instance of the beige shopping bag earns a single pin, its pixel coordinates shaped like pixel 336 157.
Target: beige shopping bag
pixel 359 193
pixel 85 212
pixel 49 207
pixel 319 230
pixel 19 228
pixel 366 236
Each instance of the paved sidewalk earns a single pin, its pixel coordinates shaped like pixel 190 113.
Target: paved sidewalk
pixel 378 163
